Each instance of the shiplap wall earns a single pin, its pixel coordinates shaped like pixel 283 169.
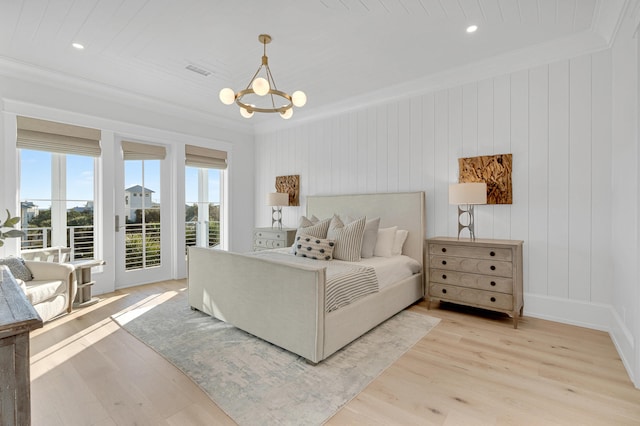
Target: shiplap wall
pixel 555 120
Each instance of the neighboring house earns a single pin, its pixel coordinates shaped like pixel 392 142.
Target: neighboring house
pixel 28 211
pixel 86 208
pixel 133 200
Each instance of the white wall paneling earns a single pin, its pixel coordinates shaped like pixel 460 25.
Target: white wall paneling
pixel 554 120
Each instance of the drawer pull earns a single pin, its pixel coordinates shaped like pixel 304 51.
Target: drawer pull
pixel 493 283
pixel 444 276
pixel 492 253
pixel 259 234
pixel 444 262
pixel 444 250
pixel 278 236
pixel 493 299
pixel 493 268
pixel 444 290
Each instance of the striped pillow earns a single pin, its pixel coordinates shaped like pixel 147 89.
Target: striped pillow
pixel 348 238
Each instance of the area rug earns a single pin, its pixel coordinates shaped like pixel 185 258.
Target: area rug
pixel 257 383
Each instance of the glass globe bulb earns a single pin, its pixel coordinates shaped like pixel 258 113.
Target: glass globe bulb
pixel 260 86
pixel 246 113
pixel 299 98
pixel 227 96
pixel 287 114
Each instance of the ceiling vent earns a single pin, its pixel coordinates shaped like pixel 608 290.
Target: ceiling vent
pixel 198 70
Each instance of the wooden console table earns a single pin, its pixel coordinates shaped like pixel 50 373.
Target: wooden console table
pixel 17 319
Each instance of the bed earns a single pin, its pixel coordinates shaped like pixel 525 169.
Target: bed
pixel 284 304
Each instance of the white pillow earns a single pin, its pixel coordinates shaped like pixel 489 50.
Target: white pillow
pixel 370 238
pixel 384 244
pixel 398 242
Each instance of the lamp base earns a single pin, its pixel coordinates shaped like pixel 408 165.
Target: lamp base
pixel 276 217
pixel 469 225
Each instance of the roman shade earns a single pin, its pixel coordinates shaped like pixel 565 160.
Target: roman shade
pixel 50 136
pixel 142 151
pixel 197 156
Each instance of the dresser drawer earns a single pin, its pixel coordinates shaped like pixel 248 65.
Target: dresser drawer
pixel 480 282
pixel 269 243
pixel 269 235
pixel 482 252
pixel 472 265
pixel 470 296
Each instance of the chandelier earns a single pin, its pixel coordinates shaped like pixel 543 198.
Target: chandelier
pixel 277 101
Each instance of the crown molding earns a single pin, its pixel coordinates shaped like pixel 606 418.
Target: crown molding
pixel 33 74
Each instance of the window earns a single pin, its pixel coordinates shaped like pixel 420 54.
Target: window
pixel 57 181
pixel 204 173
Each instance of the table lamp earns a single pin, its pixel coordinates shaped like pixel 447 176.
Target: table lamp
pixel 277 200
pixel 469 194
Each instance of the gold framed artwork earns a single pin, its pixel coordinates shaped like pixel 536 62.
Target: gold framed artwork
pixel 291 185
pixel 494 170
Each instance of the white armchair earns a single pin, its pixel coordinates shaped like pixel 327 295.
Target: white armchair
pixel 52 289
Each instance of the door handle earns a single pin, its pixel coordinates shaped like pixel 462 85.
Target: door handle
pixel 117 223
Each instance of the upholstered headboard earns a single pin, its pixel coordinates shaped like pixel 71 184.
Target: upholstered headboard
pixel 403 209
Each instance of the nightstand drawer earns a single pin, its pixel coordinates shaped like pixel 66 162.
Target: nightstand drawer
pixel 268 243
pixel 475 252
pixel 477 281
pixel 270 235
pixel 472 265
pixel 473 297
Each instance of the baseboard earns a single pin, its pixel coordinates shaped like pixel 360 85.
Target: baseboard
pixel 596 316
pixel 624 343
pixel 584 314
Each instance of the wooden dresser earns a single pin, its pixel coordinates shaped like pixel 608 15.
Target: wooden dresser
pixel 482 273
pixel 17 319
pixel 270 238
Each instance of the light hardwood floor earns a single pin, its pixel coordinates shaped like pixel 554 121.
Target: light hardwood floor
pixel 472 369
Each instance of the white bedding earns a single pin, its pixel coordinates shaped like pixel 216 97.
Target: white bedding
pixel 388 270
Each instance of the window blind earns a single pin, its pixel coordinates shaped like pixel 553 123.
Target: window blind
pixel 197 156
pixel 50 136
pixel 142 151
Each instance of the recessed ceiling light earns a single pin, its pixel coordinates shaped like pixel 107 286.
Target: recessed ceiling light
pixel 472 28
pixel 77 46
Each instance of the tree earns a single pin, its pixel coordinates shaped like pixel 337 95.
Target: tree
pixel 150 216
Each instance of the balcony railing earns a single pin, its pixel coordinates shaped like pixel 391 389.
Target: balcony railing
pixel 79 239
pixel 137 254
pixel 194 229
pixel 142 245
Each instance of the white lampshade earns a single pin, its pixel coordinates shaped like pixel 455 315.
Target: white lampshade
pixel 260 86
pixel 299 98
pixel 278 199
pixel 227 96
pixel 468 193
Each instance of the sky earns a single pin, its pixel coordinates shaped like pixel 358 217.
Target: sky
pixel 36 169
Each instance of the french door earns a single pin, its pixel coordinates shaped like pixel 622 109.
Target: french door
pixel 142 225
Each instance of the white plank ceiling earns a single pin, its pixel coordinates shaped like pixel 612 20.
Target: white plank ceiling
pixel 332 49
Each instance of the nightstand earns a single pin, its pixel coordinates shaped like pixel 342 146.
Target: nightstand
pixel 270 238
pixel 483 273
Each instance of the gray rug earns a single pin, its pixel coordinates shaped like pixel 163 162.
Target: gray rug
pixel 257 383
